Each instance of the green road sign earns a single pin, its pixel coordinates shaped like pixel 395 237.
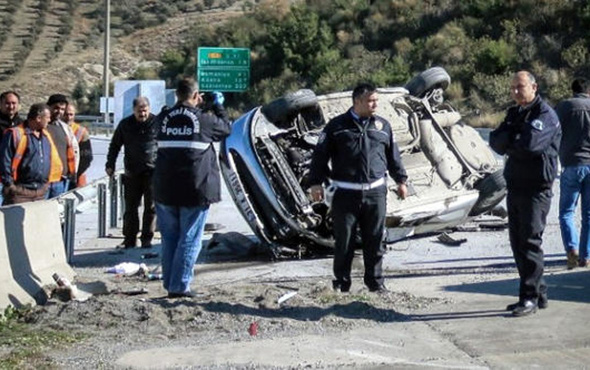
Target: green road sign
pixel 223 69
pixel 224 80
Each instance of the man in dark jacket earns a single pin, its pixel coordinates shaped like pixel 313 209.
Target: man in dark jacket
pixel 28 157
pixel 186 181
pixel 529 136
pixel 574 115
pixel 361 148
pixel 137 133
pixel 9 106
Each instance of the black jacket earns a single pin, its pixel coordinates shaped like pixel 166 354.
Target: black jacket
pixel 530 137
pixel 6 122
pixel 187 173
pixel 360 152
pixel 574 116
pixel 139 140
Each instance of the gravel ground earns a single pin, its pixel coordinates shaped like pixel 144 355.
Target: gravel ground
pixel 115 323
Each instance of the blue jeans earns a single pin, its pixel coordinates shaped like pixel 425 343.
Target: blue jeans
pixel 574 185
pixel 181 229
pixel 57 188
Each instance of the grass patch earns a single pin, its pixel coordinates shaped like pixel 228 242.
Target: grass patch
pixel 24 345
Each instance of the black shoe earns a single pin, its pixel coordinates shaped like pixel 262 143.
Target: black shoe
pixel 379 289
pixel 184 295
pixel 512 306
pixel 543 302
pixel 125 246
pixel 146 244
pixel 525 308
pixel 339 285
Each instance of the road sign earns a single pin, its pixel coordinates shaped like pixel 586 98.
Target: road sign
pixel 224 80
pixel 223 69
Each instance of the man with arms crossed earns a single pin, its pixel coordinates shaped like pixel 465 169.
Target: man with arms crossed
pixel 530 137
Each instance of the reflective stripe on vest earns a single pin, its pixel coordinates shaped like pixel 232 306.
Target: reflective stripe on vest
pixel 71 158
pixel 21 142
pixel 183 144
pixel 78 131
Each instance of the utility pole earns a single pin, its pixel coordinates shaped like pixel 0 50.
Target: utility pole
pixel 107 51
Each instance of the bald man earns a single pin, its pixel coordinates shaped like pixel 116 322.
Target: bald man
pixel 530 137
pixel 137 133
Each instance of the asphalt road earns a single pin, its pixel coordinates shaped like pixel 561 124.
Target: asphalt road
pixel 474 331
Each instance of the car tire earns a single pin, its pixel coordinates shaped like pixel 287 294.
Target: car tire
pixel 282 110
pixel 429 79
pixel 492 190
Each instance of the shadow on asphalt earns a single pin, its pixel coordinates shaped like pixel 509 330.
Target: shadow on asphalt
pixel 352 310
pixel 459 315
pixel 568 287
pixel 497 258
pixel 149 256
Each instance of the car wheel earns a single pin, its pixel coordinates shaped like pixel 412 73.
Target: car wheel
pixel 281 111
pixel 428 80
pixel 492 190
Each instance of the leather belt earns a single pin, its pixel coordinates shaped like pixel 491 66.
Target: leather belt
pixel 357 186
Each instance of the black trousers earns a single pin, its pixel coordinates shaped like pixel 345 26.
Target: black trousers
pixel 527 215
pixel 365 210
pixel 136 187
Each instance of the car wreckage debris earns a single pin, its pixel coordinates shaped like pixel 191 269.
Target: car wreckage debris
pixel 453 175
pixel 446 239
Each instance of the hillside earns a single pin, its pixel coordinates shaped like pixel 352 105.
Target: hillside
pixel 323 45
pixel 50 48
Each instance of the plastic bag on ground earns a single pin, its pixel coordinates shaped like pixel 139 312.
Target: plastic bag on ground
pixel 128 268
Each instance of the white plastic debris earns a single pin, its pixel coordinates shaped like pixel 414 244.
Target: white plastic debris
pixel 128 268
pixel 286 296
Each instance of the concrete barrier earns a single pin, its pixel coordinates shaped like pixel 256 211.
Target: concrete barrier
pixel 31 251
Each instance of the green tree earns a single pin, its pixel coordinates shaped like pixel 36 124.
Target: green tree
pixel 302 42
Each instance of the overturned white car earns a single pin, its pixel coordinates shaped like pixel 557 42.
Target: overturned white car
pixel 452 174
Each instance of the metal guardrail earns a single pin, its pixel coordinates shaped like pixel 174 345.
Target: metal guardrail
pixel 80 199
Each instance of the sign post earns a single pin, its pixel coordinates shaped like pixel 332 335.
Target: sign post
pixel 223 69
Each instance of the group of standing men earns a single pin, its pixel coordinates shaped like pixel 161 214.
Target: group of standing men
pixel 170 162
pixel 44 155
pixel 361 149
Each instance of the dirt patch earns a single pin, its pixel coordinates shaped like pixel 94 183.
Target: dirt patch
pixel 115 323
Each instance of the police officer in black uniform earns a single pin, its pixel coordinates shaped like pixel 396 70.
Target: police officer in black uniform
pixel 186 181
pixel 361 150
pixel 530 136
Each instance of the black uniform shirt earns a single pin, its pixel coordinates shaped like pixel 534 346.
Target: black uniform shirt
pixel 186 171
pixel 530 136
pixel 360 151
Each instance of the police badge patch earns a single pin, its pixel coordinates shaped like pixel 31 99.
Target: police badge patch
pixel 378 124
pixel 537 125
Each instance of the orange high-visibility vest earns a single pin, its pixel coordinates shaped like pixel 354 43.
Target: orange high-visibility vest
pixel 79 131
pixel 21 142
pixel 71 157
